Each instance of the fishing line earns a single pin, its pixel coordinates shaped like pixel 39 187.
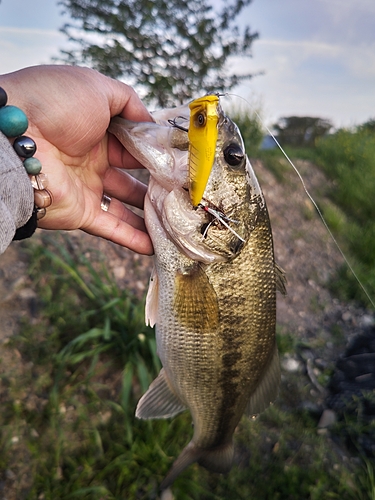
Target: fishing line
pixel 310 198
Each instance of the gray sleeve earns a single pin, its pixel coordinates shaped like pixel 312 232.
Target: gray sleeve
pixel 16 194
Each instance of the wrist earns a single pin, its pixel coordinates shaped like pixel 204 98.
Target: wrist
pixel 13 124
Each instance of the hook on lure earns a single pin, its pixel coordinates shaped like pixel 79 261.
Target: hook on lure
pixel 174 123
pixel 222 218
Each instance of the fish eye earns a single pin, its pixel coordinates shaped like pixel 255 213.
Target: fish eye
pixel 233 155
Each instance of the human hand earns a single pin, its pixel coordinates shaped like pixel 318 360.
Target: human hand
pixel 69 109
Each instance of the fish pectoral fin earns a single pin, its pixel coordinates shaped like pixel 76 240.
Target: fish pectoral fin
pixel 195 301
pixel 159 401
pixel 281 280
pixel 268 388
pixel 152 301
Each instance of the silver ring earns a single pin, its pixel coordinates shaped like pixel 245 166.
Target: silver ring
pixel 42 198
pixel 40 213
pixel 106 200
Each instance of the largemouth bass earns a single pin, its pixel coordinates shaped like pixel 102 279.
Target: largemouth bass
pixel 212 295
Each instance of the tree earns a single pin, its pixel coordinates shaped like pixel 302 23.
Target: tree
pixel 368 126
pixel 171 49
pixel 301 130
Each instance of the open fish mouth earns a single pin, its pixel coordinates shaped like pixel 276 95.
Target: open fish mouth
pixel 182 168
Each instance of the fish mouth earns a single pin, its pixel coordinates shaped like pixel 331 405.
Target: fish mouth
pixel 211 214
pixel 207 232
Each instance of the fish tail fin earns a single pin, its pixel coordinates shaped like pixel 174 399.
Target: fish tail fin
pixel 188 456
pixel 217 459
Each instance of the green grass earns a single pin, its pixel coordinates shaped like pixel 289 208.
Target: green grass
pixel 251 130
pixel 348 158
pixel 275 161
pixel 67 425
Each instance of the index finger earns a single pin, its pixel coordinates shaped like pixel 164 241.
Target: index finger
pixel 124 101
pixel 112 228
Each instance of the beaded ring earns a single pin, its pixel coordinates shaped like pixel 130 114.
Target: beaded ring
pixel 13 124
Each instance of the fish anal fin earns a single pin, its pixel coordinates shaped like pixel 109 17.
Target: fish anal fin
pixel 152 302
pixel 218 459
pixel 267 389
pixel 195 300
pixel 159 401
pixel 281 280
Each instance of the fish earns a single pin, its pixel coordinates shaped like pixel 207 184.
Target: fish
pixel 212 293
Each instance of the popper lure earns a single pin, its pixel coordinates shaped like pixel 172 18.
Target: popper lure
pixel 202 134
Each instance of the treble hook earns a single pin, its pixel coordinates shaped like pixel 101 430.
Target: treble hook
pixel 174 124
pixel 220 217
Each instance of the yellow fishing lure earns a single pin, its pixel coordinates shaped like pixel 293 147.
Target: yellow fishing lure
pixel 202 135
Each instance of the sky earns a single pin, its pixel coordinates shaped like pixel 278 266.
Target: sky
pixel 317 58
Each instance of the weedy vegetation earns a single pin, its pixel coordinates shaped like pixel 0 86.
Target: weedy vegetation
pixel 67 425
pixel 250 127
pixel 348 158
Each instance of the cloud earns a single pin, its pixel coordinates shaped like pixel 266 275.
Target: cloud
pixel 347 22
pixel 318 57
pixel 333 21
pixel 24 32
pixel 312 78
pixel 21 47
pixel 282 56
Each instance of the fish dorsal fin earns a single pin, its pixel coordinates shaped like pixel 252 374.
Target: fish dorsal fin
pixel 152 302
pixel 159 401
pixel 267 389
pixel 281 280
